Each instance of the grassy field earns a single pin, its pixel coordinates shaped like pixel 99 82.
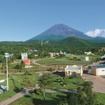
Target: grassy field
pixel 33 99
pixel 68 59
pixel 61 61
pixel 50 99
pixel 91 57
pixel 101 97
pixel 17 82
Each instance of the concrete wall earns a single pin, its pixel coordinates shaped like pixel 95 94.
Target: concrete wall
pixel 71 72
pixel 100 71
pixel 97 71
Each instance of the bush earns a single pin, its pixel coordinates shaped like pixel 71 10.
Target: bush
pixel 49 69
pixel 27 73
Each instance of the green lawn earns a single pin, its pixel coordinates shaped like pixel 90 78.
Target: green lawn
pixel 17 82
pixel 101 97
pixel 69 59
pixel 50 99
pixel 23 101
pixel 33 99
pixel 91 57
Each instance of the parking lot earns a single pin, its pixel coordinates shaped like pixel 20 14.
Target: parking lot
pixel 98 82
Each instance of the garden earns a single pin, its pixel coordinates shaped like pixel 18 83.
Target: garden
pixel 56 81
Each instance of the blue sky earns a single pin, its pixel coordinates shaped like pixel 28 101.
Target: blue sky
pixel 21 20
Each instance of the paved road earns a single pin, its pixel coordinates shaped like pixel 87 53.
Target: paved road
pixel 14 98
pixel 98 82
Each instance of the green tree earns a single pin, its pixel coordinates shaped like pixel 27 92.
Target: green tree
pixel 22 64
pixel 83 96
pixel 72 99
pixel 63 102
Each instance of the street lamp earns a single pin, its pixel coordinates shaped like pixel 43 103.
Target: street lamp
pixel 7 55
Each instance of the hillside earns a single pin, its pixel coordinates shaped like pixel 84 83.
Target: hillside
pixel 75 42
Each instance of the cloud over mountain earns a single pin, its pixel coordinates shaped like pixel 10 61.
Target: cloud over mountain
pixel 96 33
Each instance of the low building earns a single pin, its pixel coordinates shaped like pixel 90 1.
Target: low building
pixel 89 53
pixel 24 56
pixel 103 57
pixel 102 49
pixel 26 62
pixel 98 70
pixel 73 70
pixel 1 64
pixel 87 58
pixel 52 55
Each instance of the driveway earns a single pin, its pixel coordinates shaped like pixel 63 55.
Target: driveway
pixel 98 82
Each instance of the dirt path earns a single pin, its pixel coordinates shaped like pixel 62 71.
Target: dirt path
pixel 98 82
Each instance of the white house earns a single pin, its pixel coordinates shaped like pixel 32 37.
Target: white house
pixel 87 58
pixel 97 70
pixel 89 53
pixel 103 57
pixel 73 70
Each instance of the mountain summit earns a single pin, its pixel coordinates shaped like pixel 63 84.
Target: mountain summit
pixel 59 32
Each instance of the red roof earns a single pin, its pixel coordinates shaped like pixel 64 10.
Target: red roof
pixel 26 61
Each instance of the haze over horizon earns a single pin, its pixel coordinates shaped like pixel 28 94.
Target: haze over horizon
pixel 21 20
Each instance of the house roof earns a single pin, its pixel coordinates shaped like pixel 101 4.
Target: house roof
pixel 99 66
pixel 74 67
pixel 26 61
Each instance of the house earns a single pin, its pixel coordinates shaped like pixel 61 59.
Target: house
pixel 1 64
pixel 73 70
pixel 103 57
pixel 52 55
pixel 102 49
pixel 87 58
pixel 24 57
pixel 84 58
pixel 26 62
pixel 98 70
pixel 89 53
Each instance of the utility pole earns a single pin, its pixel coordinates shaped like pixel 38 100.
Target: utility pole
pixel 41 42
pixel 7 56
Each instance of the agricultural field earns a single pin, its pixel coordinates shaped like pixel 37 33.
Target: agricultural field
pixel 61 61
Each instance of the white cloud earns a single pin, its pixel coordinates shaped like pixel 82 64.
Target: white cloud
pixel 96 32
